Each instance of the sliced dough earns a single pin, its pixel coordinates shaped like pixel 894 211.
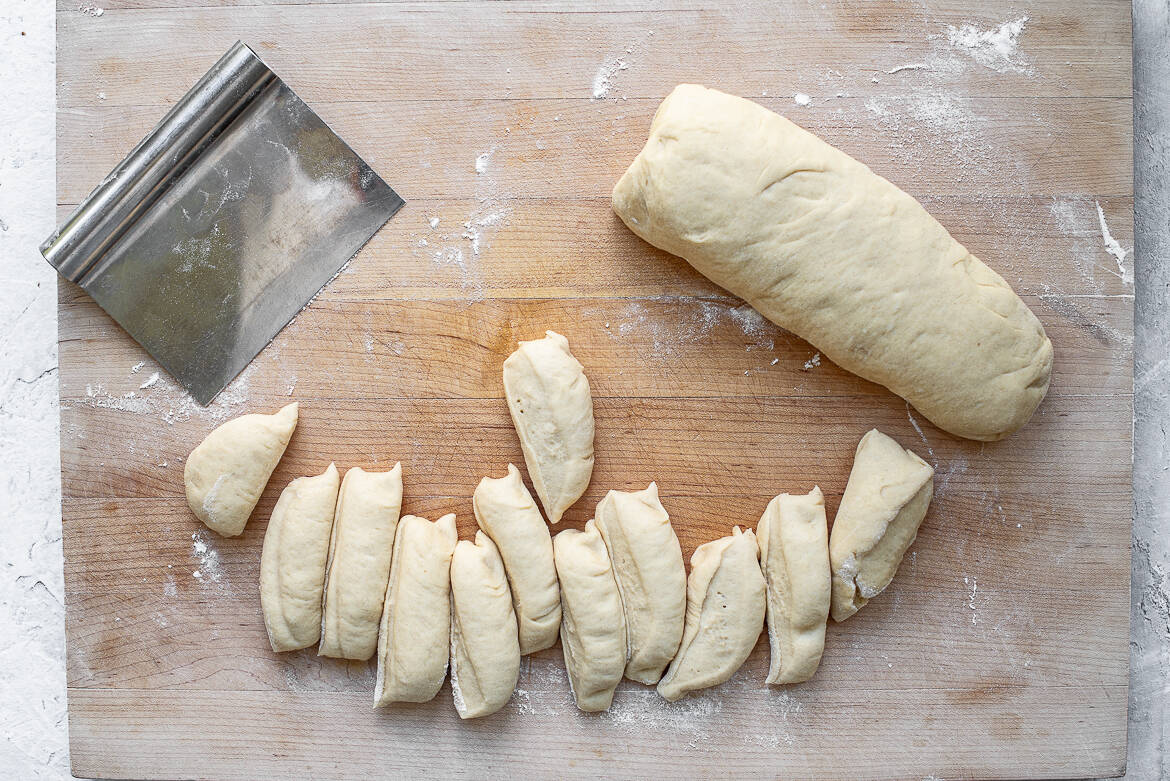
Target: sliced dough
pixel 485 647
pixel 794 556
pixel 359 562
pixel 505 511
pixel 824 247
pixel 292 562
pixel 416 618
pixel 225 475
pixel 593 629
pixel 725 614
pixel 885 501
pixel 548 396
pixel 648 566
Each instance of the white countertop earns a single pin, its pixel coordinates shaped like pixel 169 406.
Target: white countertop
pixel 33 729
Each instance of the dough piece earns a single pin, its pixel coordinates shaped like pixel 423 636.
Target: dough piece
pixel 725 615
pixel 416 619
pixel 829 250
pixel 794 556
pixel 485 647
pixel 292 561
pixel 593 630
pixel 648 566
pixel 225 475
pixel 885 501
pixel 359 562
pixel 505 511
pixel 548 396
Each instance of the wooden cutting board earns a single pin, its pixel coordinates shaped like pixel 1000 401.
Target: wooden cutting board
pixel 1000 650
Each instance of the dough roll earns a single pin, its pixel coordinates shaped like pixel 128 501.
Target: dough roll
pixel 829 250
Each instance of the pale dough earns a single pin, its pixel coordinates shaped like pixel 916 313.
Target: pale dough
pixel 793 536
pixel 225 475
pixel 885 501
pixel 552 409
pixel 416 618
pixel 725 615
pixel 485 647
pixel 593 629
pixel 292 561
pixel 359 562
pixel 829 250
pixel 648 567
pixel 506 512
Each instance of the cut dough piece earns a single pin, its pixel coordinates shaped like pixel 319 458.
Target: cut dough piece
pixel 725 615
pixel 359 562
pixel 292 561
pixel 225 475
pixel 829 250
pixel 794 556
pixel 648 567
pixel 885 501
pixel 505 511
pixel 548 396
pixel 416 619
pixel 593 630
pixel 485 647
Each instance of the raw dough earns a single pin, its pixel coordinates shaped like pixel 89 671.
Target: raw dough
pixel 648 566
pixel 725 614
pixel 227 472
pixel 794 555
pixel 416 619
pixel 827 249
pixel 548 396
pixel 885 501
pixel 593 630
pixel 359 562
pixel 485 648
pixel 505 511
pixel 292 561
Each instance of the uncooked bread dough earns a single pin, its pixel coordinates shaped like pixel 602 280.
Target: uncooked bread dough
pixel 725 614
pixel 292 561
pixel 485 648
pixel 416 620
pixel 505 511
pixel 794 555
pixel 593 630
pixel 548 397
pixel 359 562
pixel 225 475
pixel 885 501
pixel 827 249
pixel 648 566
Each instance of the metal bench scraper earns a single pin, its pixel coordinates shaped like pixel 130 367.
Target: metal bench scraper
pixel 222 224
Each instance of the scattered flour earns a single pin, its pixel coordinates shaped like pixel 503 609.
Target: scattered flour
pixel 1113 247
pixel 433 222
pixel 916 66
pixel 603 79
pixel 812 362
pixel 137 367
pixel 209 563
pixel 996 49
pixel 89 9
pixel 482 161
pixel 801 99
pixel 150 382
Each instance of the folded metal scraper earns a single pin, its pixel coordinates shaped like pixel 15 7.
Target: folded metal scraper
pixel 222 223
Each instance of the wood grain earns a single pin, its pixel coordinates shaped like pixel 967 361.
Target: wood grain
pixel 999 651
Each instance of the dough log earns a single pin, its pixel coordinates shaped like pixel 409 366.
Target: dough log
pixel 794 556
pixel 225 475
pixel 416 618
pixel 359 562
pixel 593 630
pixel 725 614
pixel 552 409
pixel 485 648
pixel 648 567
pixel 292 561
pixel 505 511
pixel 885 501
pixel 829 250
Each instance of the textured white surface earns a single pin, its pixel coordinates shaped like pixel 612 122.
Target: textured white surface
pixel 33 741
